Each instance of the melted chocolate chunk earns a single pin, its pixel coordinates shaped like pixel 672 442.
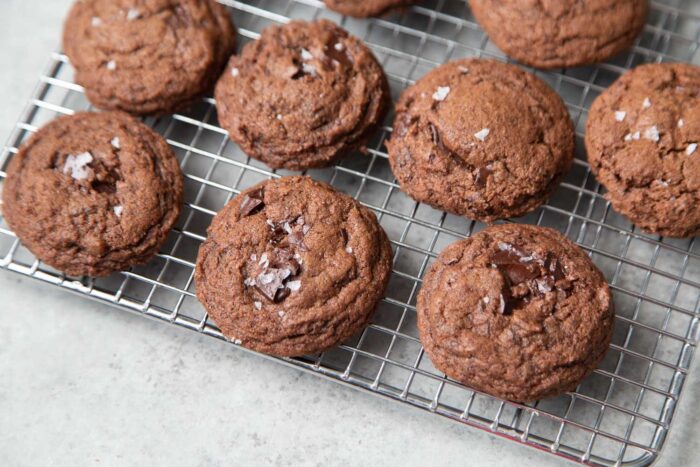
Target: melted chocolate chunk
pixel 526 276
pixel 270 281
pixel 252 202
pixel 281 264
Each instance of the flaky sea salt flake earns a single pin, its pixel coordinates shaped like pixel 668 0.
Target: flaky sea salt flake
pixel 257 305
pixel 95 22
pixel 620 115
pixel 339 46
pixel 111 65
pixel 294 285
pixel 306 55
pixel 681 122
pixel 647 103
pixel 118 210
pixel 652 133
pixel 691 148
pixel 482 134
pixel 234 72
pixel 116 144
pixel 441 93
pixel 308 69
pixel 133 14
pixel 77 165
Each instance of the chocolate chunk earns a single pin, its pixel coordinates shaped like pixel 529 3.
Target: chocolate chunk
pixel 518 273
pixel 553 265
pixel 297 239
pixel 482 174
pixel 269 282
pixel 252 202
pixel 505 257
pixel 525 275
pixel 434 135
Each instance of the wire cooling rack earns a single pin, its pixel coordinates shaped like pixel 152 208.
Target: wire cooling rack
pixel 620 414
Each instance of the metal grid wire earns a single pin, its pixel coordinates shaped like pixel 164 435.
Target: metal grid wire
pixel 618 415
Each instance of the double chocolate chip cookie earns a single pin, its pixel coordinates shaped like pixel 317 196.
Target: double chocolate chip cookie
pixel 482 139
pixel 292 267
pixel 561 33
pixel 151 57
pixel 302 95
pixel 93 193
pixel 366 8
pixel 642 140
pixel 516 311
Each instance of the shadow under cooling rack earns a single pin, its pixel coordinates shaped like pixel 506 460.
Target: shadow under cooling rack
pixel 618 415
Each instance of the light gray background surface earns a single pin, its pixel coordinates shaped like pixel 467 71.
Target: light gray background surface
pixel 82 383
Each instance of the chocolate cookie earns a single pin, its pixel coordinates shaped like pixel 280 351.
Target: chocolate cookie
pixel 93 193
pixel 516 311
pixel 561 33
pixel 150 57
pixel 292 267
pixel 302 95
pixel 642 140
pixel 365 8
pixel 482 139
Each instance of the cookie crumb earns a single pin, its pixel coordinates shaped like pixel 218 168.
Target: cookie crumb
pixel 118 210
pixel 691 148
pixel 234 72
pixel 257 305
pixel 111 65
pixel 306 55
pixel 652 133
pixel 116 144
pixel 78 165
pixel 441 93
pixel 620 115
pixel 95 22
pixel 647 103
pixel 482 134
pixel 133 14
pixel 294 285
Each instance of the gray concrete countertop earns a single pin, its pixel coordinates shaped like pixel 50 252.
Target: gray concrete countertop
pixel 82 383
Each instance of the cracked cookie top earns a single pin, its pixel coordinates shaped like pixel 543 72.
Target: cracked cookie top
pixel 303 95
pixel 292 267
pixel 366 8
pixel 151 57
pixel 561 33
pixel 482 139
pixel 93 193
pixel 517 311
pixel 642 140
